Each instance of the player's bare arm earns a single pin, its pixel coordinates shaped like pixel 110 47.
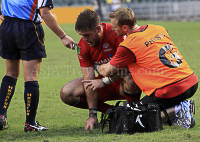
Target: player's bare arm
pixel 100 83
pixel 50 21
pixel 107 70
pixel 92 98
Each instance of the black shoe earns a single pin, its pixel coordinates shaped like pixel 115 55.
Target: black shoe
pixel 3 122
pixel 37 127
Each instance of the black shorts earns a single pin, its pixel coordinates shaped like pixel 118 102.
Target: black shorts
pixel 21 39
pixel 170 102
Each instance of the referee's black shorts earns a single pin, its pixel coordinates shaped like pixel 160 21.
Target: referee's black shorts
pixel 21 39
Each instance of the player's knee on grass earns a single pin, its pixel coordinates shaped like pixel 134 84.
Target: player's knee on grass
pixel 67 95
pixel 70 93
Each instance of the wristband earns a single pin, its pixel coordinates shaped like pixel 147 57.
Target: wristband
pixel 93 115
pixel 93 112
pixel 63 37
pixel 106 80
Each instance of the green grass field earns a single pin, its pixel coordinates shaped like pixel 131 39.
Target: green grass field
pixel 67 123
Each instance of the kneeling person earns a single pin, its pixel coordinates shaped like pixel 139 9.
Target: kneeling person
pixel 155 64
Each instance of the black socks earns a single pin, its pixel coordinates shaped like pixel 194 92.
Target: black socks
pixel 31 98
pixel 6 92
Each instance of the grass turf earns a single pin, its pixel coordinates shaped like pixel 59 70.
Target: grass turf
pixel 67 123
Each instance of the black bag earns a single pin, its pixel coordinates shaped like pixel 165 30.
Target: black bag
pixel 134 117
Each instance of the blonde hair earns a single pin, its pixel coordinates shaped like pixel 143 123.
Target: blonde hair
pixel 124 16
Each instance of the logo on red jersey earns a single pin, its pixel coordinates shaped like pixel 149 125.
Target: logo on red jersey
pixel 104 61
pixel 106 45
pixel 109 49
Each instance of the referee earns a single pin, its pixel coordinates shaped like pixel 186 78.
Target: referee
pixel 22 38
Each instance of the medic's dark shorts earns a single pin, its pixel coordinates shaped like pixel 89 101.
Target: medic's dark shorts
pixel 21 39
pixel 171 102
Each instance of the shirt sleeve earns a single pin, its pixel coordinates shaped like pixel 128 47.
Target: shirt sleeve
pixel 122 57
pixel 45 3
pixel 84 56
